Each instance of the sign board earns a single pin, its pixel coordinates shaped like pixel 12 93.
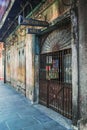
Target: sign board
pixel 33 31
pixel 31 22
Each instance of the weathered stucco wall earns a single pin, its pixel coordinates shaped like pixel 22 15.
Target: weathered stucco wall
pixel 50 10
pixel 10 64
pixel 8 68
pixel 1 62
pixel 22 62
pixel 29 67
pixel 83 63
pixel 83 57
pixel 15 63
pixel 21 53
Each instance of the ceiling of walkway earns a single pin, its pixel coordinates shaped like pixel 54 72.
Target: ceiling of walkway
pixel 3 7
pixel 11 20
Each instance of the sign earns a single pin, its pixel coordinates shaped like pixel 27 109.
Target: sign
pixel 31 22
pixel 33 31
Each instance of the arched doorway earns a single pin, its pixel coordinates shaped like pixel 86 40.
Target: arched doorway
pixel 56 72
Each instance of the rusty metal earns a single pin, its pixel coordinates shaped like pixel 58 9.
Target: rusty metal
pixel 55 82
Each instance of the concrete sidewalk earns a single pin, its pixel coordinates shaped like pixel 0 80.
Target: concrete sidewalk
pixel 17 113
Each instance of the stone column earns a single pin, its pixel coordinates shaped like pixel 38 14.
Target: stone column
pixel 75 64
pixel 30 67
pixel 82 8
pixel 36 90
pixel 74 83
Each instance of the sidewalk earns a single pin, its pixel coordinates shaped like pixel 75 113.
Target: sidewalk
pixel 17 113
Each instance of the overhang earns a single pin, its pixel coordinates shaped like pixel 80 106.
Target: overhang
pixel 10 19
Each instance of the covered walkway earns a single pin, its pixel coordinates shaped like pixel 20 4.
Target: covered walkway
pixel 17 113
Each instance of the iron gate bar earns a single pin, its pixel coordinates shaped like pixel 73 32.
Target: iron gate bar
pixel 57 93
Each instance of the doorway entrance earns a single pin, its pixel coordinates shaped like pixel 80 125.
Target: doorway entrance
pixel 55 89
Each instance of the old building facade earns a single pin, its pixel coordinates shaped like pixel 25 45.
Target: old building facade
pixel 48 67
pixel 1 62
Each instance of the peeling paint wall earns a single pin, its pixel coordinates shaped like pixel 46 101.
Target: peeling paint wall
pixel 1 62
pixel 50 10
pixel 8 68
pixel 22 60
pixel 15 64
pixel 29 67
pixel 83 58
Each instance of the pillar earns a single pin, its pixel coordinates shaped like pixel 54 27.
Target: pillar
pixel 82 7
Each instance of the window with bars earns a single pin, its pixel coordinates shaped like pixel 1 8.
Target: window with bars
pixel 67 68
pixel 56 66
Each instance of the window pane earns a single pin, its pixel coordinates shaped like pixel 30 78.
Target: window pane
pixel 67 68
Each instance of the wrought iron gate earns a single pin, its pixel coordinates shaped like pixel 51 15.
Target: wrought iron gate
pixel 55 81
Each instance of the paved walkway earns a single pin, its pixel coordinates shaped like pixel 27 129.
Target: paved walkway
pixel 17 113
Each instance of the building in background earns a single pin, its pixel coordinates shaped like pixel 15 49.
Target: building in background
pixel 1 62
